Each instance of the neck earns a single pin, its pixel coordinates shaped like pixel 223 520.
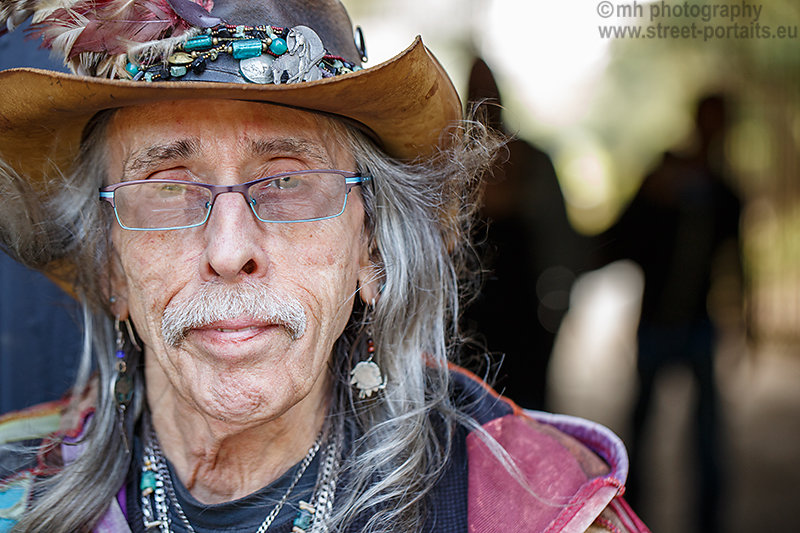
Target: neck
pixel 219 461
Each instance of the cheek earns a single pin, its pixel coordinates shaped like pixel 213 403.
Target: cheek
pixel 325 271
pixel 152 275
pixel 141 261
pixel 327 268
pixel 331 258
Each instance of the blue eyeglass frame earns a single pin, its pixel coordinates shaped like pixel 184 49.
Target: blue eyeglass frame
pixel 351 179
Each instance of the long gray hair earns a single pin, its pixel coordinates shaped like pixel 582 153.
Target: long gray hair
pixel 417 217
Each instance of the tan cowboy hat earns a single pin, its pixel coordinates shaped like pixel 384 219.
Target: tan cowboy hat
pixel 405 103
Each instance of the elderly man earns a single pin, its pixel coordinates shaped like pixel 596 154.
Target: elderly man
pixel 270 287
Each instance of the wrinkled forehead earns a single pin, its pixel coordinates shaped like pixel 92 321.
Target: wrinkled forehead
pixel 217 125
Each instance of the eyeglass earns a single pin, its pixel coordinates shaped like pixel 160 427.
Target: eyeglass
pixel 300 196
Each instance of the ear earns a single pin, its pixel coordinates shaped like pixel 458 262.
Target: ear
pixel 369 281
pixel 119 307
pixel 118 289
pixel 370 278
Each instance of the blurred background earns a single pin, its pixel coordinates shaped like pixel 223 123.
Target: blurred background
pixel 716 438
pixel 641 243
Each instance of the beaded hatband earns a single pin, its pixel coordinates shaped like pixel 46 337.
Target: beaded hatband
pixel 266 54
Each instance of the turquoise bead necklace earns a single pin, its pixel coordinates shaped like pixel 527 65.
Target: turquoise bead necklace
pixel 158 493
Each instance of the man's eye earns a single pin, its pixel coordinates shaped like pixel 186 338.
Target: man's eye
pixel 171 189
pixel 287 182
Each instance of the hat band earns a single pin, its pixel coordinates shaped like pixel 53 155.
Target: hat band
pixel 265 54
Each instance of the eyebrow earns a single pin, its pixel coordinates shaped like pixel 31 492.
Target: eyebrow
pixel 152 156
pixel 289 146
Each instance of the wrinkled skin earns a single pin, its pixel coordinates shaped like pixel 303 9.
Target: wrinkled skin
pixel 236 403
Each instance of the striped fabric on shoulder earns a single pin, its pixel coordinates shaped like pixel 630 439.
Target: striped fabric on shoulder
pixel 32 423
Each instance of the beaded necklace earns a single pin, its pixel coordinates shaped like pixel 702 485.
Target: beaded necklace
pixel 158 492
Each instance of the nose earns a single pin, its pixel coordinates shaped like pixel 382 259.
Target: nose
pixel 234 240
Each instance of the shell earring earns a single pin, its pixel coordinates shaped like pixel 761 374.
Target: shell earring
pixel 366 376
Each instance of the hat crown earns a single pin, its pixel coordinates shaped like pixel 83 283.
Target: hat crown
pixel 328 18
pixel 98 39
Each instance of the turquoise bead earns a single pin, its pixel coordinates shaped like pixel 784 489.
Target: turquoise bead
pixel 203 42
pixel 148 480
pixel 177 71
pixel 246 48
pixel 131 69
pixel 303 520
pixel 278 46
pixel 123 388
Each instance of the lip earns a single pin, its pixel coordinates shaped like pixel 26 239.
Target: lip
pixel 231 331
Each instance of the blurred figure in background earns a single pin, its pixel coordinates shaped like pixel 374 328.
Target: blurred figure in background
pixel 678 228
pixel 528 252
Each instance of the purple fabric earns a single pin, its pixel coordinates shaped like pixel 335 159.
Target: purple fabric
pixel 71 448
pixel 70 452
pixel 122 500
pixel 113 521
pixel 598 438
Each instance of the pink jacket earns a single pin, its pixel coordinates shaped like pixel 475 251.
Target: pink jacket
pixel 575 470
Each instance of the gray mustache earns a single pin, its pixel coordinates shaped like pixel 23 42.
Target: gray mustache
pixel 216 301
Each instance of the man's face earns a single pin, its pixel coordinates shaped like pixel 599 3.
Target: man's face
pixel 239 369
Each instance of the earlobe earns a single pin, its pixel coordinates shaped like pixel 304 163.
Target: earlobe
pixel 370 274
pixel 119 307
pixel 118 290
pixel 369 283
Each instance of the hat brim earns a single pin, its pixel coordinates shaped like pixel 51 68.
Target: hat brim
pixel 405 103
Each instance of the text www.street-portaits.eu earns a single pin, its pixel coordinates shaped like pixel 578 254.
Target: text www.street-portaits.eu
pixel 685 20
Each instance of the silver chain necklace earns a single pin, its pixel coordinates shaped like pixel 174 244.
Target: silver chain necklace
pixel 157 491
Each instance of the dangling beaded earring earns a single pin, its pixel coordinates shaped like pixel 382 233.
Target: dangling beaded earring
pixel 366 376
pixel 123 382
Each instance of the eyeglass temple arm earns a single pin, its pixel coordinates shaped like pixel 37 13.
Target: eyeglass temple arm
pixel 108 196
pixel 356 180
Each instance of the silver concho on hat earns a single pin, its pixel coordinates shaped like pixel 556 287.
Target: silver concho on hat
pixel 257 69
pixel 299 63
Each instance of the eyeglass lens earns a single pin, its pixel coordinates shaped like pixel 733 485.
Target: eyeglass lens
pixel 294 198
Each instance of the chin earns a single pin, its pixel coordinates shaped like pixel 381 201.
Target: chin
pixel 238 405
pixel 241 397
